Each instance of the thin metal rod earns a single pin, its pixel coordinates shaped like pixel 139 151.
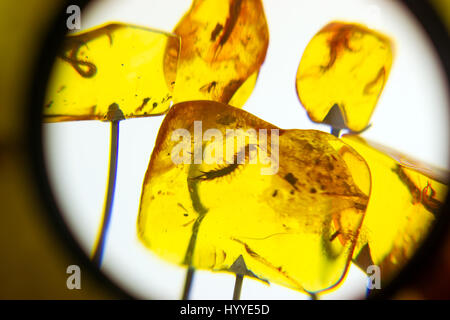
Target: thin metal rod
pixel 114 148
pixel 188 283
pixel 335 132
pixel 313 296
pixel 201 210
pixel 238 286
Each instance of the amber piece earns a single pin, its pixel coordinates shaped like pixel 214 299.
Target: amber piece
pixel 112 65
pixel 406 197
pixel 346 65
pixel 223 43
pixel 291 202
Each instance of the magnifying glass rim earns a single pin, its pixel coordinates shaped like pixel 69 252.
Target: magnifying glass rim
pixel 422 11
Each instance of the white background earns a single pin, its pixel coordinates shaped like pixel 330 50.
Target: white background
pixel 411 116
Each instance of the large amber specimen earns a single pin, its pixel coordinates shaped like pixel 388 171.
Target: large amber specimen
pixel 346 65
pixel 223 44
pixel 291 202
pixel 112 65
pixel 405 200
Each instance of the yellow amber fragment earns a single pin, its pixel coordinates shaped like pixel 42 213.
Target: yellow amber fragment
pixel 291 202
pixel 113 64
pixel 223 43
pixel 404 202
pixel 345 65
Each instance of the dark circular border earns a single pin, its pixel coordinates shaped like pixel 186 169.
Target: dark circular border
pixel 423 12
pixel 428 251
pixel 50 45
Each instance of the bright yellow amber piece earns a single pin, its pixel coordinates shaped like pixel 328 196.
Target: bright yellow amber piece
pixel 223 43
pixel 113 64
pixel 345 65
pixel 403 205
pixel 295 225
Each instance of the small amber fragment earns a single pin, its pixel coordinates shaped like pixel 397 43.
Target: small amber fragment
pixel 223 43
pixel 404 203
pixel 113 64
pixel 292 205
pixel 345 65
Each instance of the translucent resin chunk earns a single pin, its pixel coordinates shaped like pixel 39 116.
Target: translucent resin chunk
pixel 223 44
pixel 112 65
pixel 291 202
pixel 345 65
pixel 405 200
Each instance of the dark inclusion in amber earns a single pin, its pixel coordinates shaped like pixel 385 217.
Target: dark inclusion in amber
pixel 223 44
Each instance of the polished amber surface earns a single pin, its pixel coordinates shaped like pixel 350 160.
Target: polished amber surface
pixel 346 65
pixel 117 65
pixel 292 207
pixel 405 201
pixel 223 44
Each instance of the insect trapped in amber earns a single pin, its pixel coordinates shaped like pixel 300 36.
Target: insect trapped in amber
pixel 223 44
pixel 346 65
pixel 222 183
pixel 112 65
